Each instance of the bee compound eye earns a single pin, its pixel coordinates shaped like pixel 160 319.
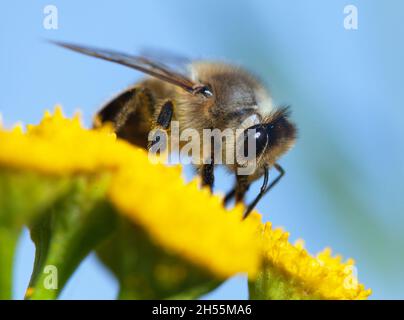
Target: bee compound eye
pixel 255 141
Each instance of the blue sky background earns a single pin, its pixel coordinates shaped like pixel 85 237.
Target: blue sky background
pixel 345 176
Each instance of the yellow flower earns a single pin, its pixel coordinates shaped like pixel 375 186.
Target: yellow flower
pixel 188 221
pixel 179 217
pixel 57 146
pixel 320 277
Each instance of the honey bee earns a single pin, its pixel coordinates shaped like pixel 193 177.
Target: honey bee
pixel 211 95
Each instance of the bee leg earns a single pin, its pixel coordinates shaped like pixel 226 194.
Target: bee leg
pixel 163 120
pixel 207 175
pixel 264 188
pixel 230 195
pixel 239 191
pixel 207 169
pixel 242 186
pixel 165 115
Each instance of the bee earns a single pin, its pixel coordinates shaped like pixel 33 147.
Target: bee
pixel 210 95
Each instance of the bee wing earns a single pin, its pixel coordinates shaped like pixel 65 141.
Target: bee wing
pixel 139 63
pixel 168 59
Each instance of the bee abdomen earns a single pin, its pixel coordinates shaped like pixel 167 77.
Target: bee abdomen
pixel 131 114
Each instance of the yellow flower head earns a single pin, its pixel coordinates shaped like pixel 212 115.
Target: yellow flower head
pixel 189 221
pixel 57 145
pixel 179 217
pixel 322 276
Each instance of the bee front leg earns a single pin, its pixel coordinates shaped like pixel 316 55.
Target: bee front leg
pixel 207 169
pixel 207 175
pixel 163 121
pixel 239 191
pixel 230 195
pixel 265 187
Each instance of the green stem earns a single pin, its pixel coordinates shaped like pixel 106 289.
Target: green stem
pixel 8 243
pixel 57 260
pixel 197 291
pixel 63 237
pixel 41 236
pixel 128 294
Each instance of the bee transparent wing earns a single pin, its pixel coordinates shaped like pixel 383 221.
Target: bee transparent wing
pixel 139 63
pixel 167 59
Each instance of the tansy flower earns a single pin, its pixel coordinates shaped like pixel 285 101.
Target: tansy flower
pixel 291 272
pixel 178 216
pixel 60 146
pixel 111 178
pixel 188 221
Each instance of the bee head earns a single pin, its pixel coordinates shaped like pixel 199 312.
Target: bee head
pixel 274 136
